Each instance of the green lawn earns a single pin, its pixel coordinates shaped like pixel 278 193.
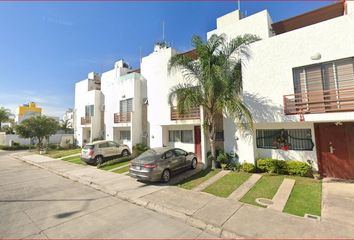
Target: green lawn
pixel 227 184
pixel 198 178
pixel 75 159
pixel 109 167
pixel 62 153
pixel 122 170
pixel 266 187
pixel 305 197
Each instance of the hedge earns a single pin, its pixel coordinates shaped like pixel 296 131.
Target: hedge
pixel 12 148
pixel 284 167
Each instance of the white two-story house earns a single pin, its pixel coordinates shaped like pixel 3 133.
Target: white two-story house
pixel 88 110
pixel 166 126
pixel 125 96
pixel 299 86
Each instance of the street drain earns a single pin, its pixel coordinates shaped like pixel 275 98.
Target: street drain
pixel 313 217
pixel 264 201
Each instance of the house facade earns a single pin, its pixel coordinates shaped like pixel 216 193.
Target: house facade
pixel 299 85
pixel 125 96
pixel 88 113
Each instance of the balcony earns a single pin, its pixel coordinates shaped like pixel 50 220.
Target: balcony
pixel 324 101
pixel 194 113
pixel 86 120
pixel 124 117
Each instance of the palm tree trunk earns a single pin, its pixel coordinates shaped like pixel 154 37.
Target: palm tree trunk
pixel 212 143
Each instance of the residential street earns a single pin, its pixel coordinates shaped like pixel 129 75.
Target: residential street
pixel 36 203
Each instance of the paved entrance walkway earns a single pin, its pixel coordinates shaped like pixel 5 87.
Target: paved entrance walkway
pixel 245 187
pixel 210 181
pixel 282 195
pixel 338 202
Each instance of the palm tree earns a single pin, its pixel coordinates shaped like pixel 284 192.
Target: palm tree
pixel 4 115
pixel 213 81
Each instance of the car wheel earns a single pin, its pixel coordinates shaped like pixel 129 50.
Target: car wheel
pixel 194 163
pixel 125 153
pixel 99 160
pixel 166 175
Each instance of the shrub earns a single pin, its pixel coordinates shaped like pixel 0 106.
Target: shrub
pixel 299 168
pixel 284 167
pixel 248 167
pixel 272 166
pixel 223 158
pixel 12 148
pixel 139 148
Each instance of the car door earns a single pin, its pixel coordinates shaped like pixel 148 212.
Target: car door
pixel 180 155
pixel 104 149
pixel 170 160
pixel 114 148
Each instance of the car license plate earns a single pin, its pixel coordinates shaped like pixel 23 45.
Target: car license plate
pixel 137 167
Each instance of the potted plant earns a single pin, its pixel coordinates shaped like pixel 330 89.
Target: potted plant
pixel 282 141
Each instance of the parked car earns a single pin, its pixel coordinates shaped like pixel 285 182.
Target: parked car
pixel 97 152
pixel 158 164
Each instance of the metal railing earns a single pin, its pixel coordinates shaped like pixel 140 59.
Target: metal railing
pixel 194 113
pixel 323 101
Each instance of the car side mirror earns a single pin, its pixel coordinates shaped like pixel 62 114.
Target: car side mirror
pixel 186 154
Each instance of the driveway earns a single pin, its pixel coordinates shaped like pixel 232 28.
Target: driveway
pixel 35 203
pixel 338 202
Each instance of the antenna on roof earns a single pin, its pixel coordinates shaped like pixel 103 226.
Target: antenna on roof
pixel 163 30
pixel 140 54
pixel 239 5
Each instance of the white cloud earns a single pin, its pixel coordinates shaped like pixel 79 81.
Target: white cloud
pixel 57 20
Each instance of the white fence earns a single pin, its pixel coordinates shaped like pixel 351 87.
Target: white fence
pixel 5 139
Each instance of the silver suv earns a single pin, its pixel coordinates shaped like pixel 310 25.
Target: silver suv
pixel 96 152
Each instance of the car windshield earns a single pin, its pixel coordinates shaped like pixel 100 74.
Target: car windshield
pixel 149 155
pixel 88 147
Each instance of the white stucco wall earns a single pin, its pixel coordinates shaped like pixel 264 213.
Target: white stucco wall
pixel 231 25
pixel 268 75
pixel 84 97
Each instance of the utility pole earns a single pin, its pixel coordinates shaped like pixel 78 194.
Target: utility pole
pixel 163 30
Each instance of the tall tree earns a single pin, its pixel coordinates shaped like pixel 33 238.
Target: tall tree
pixel 213 81
pixel 39 127
pixel 4 115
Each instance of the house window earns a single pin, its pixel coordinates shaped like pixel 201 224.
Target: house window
pixel 292 139
pixel 126 105
pixel 219 136
pixel 89 110
pixel 187 136
pixel 124 135
pixel 184 136
pixel 174 136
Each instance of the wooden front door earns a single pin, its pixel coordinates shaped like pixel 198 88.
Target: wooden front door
pixel 335 149
pixel 197 143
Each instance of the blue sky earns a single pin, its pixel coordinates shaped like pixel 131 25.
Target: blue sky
pixel 46 47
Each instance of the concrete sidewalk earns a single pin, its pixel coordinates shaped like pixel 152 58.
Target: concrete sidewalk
pixel 221 216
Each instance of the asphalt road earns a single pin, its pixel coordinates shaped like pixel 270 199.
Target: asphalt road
pixel 35 203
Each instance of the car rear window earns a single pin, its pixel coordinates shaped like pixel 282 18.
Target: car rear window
pixel 149 155
pixel 88 146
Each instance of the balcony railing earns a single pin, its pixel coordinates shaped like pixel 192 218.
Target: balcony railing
pixel 324 101
pixel 124 117
pixel 86 120
pixel 194 113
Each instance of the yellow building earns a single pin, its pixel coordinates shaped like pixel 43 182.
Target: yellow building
pixel 27 110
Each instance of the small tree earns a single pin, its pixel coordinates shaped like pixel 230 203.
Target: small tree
pixel 39 127
pixel 64 126
pixel 4 115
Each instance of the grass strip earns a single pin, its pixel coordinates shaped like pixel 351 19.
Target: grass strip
pixel 266 187
pixel 198 178
pixel 74 159
pixel 62 153
pixel 122 170
pixel 305 197
pixel 227 184
pixel 119 164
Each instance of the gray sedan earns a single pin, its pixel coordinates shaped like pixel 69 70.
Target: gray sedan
pixel 158 164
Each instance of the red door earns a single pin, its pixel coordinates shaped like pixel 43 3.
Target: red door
pixel 197 143
pixel 335 149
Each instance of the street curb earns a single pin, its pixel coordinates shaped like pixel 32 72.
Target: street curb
pixel 189 219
